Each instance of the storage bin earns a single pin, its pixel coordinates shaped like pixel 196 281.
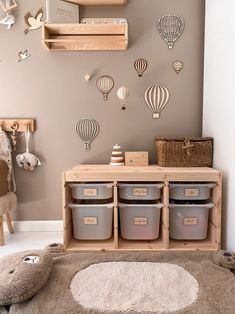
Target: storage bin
pixel 140 222
pixel 190 191
pixel 184 152
pixel 89 191
pixel 189 221
pixel 140 191
pixel 92 222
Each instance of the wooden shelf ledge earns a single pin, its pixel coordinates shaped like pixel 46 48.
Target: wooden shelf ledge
pixel 99 2
pixel 60 37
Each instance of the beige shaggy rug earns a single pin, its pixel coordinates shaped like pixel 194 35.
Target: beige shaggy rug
pixel 141 287
pixel 116 283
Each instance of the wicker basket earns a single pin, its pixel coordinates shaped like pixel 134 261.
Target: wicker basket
pixel 3 178
pixel 184 152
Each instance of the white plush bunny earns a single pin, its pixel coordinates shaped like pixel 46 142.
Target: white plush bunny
pixel 27 160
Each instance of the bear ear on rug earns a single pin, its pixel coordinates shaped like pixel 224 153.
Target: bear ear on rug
pixel 225 259
pixel 23 274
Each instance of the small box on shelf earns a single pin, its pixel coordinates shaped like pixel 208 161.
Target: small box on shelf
pixel 136 158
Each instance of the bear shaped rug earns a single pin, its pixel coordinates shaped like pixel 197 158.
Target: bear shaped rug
pixel 160 282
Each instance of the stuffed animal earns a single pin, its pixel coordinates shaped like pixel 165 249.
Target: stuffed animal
pixel 225 259
pixel 23 274
pixel 28 161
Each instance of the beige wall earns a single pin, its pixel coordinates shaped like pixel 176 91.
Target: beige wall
pixel 51 87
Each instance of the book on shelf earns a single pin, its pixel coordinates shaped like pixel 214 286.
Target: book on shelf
pixel 60 11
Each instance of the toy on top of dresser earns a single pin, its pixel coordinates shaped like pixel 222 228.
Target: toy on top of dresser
pixel 117 158
pixel 136 158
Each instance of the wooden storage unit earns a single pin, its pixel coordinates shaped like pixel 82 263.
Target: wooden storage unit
pixel 105 173
pixel 59 37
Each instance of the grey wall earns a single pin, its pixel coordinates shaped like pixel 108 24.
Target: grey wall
pixel 51 88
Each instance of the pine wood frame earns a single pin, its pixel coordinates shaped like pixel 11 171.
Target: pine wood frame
pixel 62 37
pixel 105 173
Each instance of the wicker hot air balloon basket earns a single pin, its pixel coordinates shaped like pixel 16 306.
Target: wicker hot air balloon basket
pixel 184 152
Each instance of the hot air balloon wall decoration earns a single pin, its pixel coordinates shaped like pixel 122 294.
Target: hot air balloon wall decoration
pixel 170 28
pixel 157 97
pixel 123 94
pixel 105 84
pixel 178 66
pixel 87 129
pixel 140 66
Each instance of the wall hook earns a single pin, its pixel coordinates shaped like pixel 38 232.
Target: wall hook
pixel 14 127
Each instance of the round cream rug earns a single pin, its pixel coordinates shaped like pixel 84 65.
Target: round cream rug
pixel 134 286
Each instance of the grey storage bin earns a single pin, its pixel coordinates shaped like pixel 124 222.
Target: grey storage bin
pixel 90 191
pixel 189 221
pixel 140 191
pixel 92 222
pixel 140 222
pixel 190 191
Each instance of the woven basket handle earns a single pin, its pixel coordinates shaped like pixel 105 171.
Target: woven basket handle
pixel 187 145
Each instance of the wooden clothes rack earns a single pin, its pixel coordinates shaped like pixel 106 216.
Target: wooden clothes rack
pixel 17 125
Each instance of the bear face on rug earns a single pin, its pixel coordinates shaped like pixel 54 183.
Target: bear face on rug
pixel 23 274
pixel 93 282
pixel 67 285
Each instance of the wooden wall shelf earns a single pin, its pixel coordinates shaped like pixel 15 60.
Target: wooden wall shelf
pixel 105 173
pixel 99 2
pixel 7 124
pixel 60 37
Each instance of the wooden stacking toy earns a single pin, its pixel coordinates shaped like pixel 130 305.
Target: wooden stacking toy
pixel 117 158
